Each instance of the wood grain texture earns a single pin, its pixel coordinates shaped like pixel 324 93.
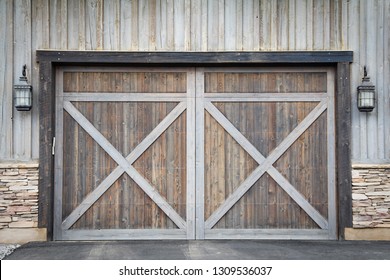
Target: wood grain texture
pixel 96 192
pixel 272 136
pixel 124 25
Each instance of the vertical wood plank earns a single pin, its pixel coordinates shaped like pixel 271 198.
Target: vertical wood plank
pixel 343 156
pixel 386 73
pixel 291 25
pixel 40 40
pixel 126 23
pixel 301 25
pixel 282 25
pixel 239 28
pixel 111 25
pixel 187 24
pixel 204 25
pixel 93 25
pixel 57 19
pixel 22 42
pixel 191 155
pixel 380 59
pixel 59 152
pixel 247 24
pixel 144 25
pixel 353 44
pixel 212 26
pixel 196 26
pixel 326 13
pixel 318 24
pixel 230 25
pixel 309 24
pixel 179 23
pixel 6 85
pixel 46 129
pixel 199 153
pixel 371 41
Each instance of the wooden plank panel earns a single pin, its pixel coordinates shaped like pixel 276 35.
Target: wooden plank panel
pixel 266 164
pixel 144 184
pixel 143 82
pixel 131 158
pixel 268 82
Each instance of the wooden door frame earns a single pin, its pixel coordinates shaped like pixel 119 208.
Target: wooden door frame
pixel 325 103
pixel 185 103
pixel 49 60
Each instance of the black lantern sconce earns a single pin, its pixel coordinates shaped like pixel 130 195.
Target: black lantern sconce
pixel 23 93
pixel 366 94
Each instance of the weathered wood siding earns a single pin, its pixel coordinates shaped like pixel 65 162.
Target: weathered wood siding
pixel 205 25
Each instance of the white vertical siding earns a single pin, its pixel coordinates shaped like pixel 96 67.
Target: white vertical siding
pixel 6 78
pixel 362 26
pixel 22 121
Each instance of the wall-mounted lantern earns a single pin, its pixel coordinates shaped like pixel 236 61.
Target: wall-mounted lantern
pixel 366 94
pixel 23 93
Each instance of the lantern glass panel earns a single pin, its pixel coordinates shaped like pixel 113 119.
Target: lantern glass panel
pixel 366 99
pixel 23 97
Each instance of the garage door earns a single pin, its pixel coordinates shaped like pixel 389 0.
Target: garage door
pixel 191 153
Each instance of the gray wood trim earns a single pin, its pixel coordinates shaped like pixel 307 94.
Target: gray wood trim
pixel 199 153
pixel 266 234
pixel 124 97
pixel 46 134
pixel 124 234
pixel 288 96
pixel 121 161
pixel 118 171
pixel 59 155
pixel 343 147
pixel 191 176
pixel 265 166
pixel 331 126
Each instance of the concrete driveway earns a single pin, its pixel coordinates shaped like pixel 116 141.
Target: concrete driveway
pixel 204 250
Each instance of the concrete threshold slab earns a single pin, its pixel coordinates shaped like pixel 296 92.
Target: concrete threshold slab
pixel 204 250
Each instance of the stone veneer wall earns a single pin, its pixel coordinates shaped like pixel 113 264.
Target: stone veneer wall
pixel 18 195
pixel 371 196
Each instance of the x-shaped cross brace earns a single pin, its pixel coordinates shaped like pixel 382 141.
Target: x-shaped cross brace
pixel 266 165
pixel 124 166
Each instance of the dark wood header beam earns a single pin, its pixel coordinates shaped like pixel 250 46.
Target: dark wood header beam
pixel 194 58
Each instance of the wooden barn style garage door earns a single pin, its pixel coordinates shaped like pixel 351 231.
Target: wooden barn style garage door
pixel 185 153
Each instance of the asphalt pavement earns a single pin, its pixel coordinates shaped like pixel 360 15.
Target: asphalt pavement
pixel 203 250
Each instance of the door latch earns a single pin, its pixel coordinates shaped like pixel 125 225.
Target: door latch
pixel 53 146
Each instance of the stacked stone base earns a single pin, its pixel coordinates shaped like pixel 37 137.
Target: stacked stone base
pixel 18 201
pixel 371 196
